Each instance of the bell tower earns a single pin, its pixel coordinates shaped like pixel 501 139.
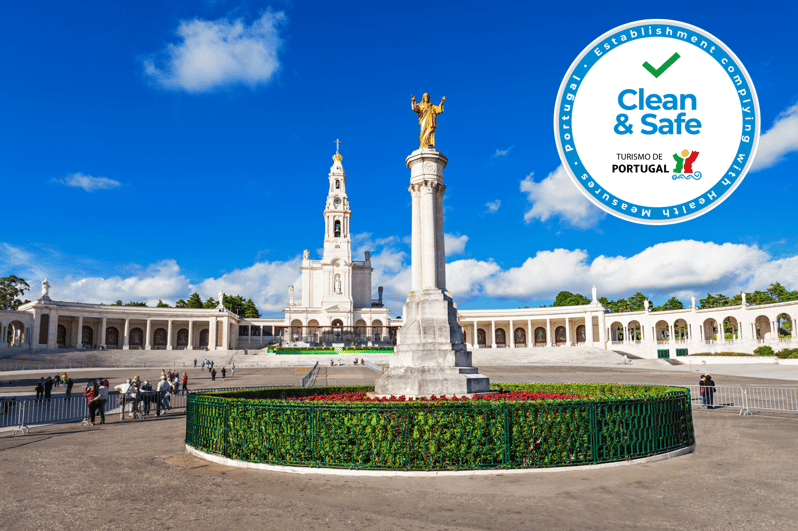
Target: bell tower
pixel 337 239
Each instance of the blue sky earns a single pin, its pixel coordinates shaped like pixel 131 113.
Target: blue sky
pixel 155 148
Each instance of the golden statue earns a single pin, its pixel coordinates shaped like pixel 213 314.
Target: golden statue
pixel 427 118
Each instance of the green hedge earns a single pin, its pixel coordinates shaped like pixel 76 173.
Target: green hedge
pixel 332 350
pixel 618 423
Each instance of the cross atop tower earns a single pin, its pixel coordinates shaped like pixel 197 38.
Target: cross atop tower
pixel 337 142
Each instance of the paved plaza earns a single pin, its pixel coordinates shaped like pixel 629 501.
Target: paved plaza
pixel 136 474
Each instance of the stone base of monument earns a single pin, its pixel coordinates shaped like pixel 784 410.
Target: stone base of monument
pixel 430 357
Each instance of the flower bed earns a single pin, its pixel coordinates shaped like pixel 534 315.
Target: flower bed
pixel 287 427
pixel 362 396
pixel 331 351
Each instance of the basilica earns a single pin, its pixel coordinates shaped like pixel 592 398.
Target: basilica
pixel 336 306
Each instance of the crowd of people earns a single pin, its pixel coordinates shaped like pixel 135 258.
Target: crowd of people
pixel 211 366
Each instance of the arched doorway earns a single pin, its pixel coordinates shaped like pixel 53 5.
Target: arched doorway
pixel 376 330
pixel 663 331
pixel 501 338
pixel 159 339
pixel 784 325
pixel 16 333
pixel 203 338
pixel 616 332
pixel 182 338
pixel 540 336
pixel 633 330
pixel 112 337
pixel 559 335
pixel 481 338
pixel 361 333
pixel 762 326
pixel 519 337
pixel 87 337
pixel 296 330
pixel 61 336
pixel 581 335
pixel 338 330
pixel 136 338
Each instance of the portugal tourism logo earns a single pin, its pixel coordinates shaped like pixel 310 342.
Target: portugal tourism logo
pixel 640 105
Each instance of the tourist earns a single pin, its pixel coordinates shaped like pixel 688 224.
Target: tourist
pixel 57 380
pixel 233 370
pixel 709 391
pixel 362 361
pixel 64 378
pixel 163 395
pixel 48 388
pixel 185 382
pixel 702 390
pixel 124 391
pixel 332 363
pixel 105 382
pixel 213 375
pixel 203 365
pixel 147 395
pixel 91 394
pixel 195 363
pixel 224 373
pixel 40 389
pixel 69 384
pixel 102 399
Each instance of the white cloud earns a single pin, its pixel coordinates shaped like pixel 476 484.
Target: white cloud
pixel 162 280
pixel 493 206
pixel 557 196
pixel 266 283
pixel 454 244
pixel 214 53
pixel 778 141
pixel 501 153
pixel 87 182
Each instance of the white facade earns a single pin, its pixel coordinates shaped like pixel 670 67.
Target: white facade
pixel 336 290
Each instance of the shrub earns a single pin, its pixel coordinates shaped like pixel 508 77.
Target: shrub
pixel 764 350
pixel 788 353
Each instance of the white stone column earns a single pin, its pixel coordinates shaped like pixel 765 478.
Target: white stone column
pixel 79 339
pixel 126 337
pixel 549 339
pixel 212 334
pixel 148 338
pixel 169 329
pixel 190 345
pixel 602 329
pixel 671 334
pixel 225 335
pixel 589 330
pixel 511 339
pixel 249 333
pixel 428 244
pixel 52 333
pixel 493 334
pixel 102 333
pixel 567 331
pixel 530 335
pixel 440 266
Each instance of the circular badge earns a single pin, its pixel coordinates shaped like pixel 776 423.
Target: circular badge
pixel 657 122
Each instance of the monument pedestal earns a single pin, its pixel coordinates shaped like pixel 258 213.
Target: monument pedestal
pixel 430 357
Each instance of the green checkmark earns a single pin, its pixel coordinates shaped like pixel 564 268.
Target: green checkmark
pixel 656 72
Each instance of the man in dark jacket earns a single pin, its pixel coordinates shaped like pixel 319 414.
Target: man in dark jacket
pixel 48 387
pixel 709 391
pixel 40 388
pixel 69 384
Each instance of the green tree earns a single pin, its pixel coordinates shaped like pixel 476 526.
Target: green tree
pixel 161 304
pixel 566 298
pixel 637 302
pixel 759 297
pixel 211 303
pixel 11 289
pixel 131 303
pixel 672 304
pixel 117 303
pixel 180 304
pixel 194 301
pixel 234 303
pixel 250 310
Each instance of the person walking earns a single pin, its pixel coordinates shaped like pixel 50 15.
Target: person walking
pixel 69 384
pixel 57 380
pixel 185 382
pixel 709 391
pixel 203 365
pixel 48 388
pixel 233 370
pixel 224 373
pixel 163 396
pixel 213 375
pixel 91 394
pixel 102 399
pixel 147 395
pixel 40 389
pixel 195 363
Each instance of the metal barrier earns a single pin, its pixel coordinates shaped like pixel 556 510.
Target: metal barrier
pixel 308 379
pixel 772 398
pixel 373 366
pixel 718 397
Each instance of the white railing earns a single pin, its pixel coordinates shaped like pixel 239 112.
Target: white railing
pixel 373 366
